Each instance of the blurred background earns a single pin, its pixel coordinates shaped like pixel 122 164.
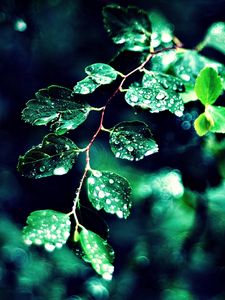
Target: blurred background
pixel 172 246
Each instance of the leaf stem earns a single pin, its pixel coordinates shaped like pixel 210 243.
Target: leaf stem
pixel 100 128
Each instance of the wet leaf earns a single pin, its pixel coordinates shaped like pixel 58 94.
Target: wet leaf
pixel 130 27
pixel 189 63
pixel 208 86
pixel 109 191
pixel 132 141
pixel 158 92
pixel 162 30
pixel 217 115
pixel 215 36
pixel 101 73
pixel 85 86
pixel 55 156
pixel 48 228
pixel 55 105
pixel 202 125
pixel 98 253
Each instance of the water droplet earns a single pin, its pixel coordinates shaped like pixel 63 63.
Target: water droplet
pixel 111 181
pixel 134 98
pixel 185 77
pixel 49 247
pixel 130 148
pixel 60 171
pixel 42 169
pixel 91 180
pixel 161 95
pixel 101 194
pixel 119 213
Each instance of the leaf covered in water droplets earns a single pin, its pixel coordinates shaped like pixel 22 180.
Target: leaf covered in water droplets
pixel 101 73
pixel 48 228
pixel 189 63
pixel 85 86
pixel 55 105
pixel 55 156
pixel 109 191
pixel 132 141
pixel 158 92
pixel 98 252
pixel 98 74
pixel 130 27
pixel 215 36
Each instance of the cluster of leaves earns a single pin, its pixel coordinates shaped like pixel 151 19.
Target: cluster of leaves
pixel 168 82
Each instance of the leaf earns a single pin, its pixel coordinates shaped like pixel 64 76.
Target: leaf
pixel 101 73
pixel 109 191
pixel 162 30
pixel 85 86
pixel 132 141
pixel 55 156
pixel 48 228
pixel 208 86
pixel 215 36
pixel 202 125
pixel 188 65
pixel 129 26
pixel 217 115
pixel 55 105
pixel 98 252
pixel 158 92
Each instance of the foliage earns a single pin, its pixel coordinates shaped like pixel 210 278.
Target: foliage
pixel 168 77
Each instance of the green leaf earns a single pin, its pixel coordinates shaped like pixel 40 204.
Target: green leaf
pixel 158 92
pixel 55 156
pixel 217 115
pixel 202 125
pixel 98 252
pixel 109 191
pixel 162 30
pixel 129 26
pixel 215 36
pixel 85 86
pixel 189 63
pixel 56 105
pixel 208 86
pixel 132 141
pixel 48 228
pixel 101 73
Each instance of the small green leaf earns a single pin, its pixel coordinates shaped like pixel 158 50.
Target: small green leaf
pixel 85 86
pixel 56 105
pixel 101 73
pixel 109 191
pixel 208 86
pixel 129 26
pixel 162 30
pixel 98 252
pixel 158 92
pixel 202 125
pixel 48 228
pixel 215 36
pixel 217 114
pixel 55 156
pixel 132 141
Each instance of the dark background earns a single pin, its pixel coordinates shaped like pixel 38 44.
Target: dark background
pixel 62 37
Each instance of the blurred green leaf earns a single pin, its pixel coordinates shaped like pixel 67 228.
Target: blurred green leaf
pixel 55 156
pixel 217 114
pixel 208 86
pixel 98 252
pixel 215 36
pixel 132 141
pixel 55 105
pixel 48 228
pixel 129 26
pixel 162 30
pixel 109 191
